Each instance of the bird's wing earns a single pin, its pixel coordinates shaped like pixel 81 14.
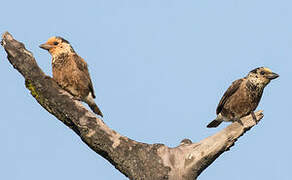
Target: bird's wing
pixel 231 90
pixel 82 66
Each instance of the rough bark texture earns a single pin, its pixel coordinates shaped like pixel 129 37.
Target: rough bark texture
pixel 134 159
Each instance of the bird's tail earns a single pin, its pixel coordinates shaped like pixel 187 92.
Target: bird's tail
pixel 90 101
pixel 216 122
pixel 95 109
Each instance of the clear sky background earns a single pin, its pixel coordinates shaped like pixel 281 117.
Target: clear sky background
pixel 159 69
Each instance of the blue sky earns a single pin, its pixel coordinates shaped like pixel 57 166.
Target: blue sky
pixel 159 69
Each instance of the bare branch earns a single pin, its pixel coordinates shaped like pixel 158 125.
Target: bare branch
pixel 134 159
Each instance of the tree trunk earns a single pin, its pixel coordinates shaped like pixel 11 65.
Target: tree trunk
pixel 134 159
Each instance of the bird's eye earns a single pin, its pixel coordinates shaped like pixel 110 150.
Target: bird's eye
pixel 263 72
pixel 56 43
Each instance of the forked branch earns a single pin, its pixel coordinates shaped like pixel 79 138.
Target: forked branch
pixel 134 159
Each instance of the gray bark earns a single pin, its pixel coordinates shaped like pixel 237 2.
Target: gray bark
pixel 134 159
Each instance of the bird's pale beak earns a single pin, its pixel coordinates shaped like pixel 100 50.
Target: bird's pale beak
pixel 45 46
pixel 272 76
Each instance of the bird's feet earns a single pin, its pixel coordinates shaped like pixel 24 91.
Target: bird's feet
pixel 77 98
pixel 238 120
pixel 254 117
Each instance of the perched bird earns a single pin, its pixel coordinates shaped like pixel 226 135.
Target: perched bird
pixel 70 71
pixel 243 96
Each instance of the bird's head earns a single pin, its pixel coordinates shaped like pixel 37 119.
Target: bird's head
pixel 261 76
pixel 57 45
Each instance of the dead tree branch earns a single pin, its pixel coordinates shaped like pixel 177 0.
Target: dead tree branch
pixel 134 159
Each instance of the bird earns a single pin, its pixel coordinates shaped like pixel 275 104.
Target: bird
pixel 243 96
pixel 70 71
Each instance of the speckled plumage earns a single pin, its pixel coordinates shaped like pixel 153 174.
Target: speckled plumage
pixel 70 71
pixel 243 96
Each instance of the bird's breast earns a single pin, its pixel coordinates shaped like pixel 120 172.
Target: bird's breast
pixel 242 102
pixel 62 69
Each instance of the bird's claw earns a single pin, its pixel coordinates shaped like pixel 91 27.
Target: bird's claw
pixel 77 98
pixel 239 121
pixel 254 117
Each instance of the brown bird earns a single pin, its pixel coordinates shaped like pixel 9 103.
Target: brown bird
pixel 243 96
pixel 70 71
